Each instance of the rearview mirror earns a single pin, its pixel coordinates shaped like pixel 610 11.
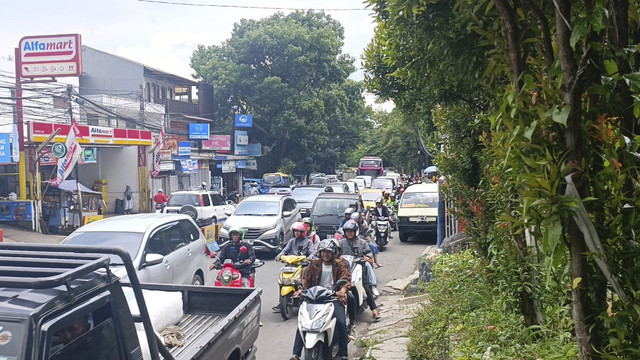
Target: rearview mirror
pixel 152 259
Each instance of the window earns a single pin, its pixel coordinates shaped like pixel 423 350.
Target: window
pixel 205 199
pixel 217 200
pixel 148 92
pixel 173 236
pixel 192 232
pixel 289 205
pixel 156 245
pixel 92 119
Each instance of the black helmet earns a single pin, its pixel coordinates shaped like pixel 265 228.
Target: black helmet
pixel 328 245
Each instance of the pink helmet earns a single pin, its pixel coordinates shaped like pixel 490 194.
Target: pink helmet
pixel 298 225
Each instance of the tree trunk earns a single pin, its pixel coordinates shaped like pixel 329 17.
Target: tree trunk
pixel 527 300
pixel 508 16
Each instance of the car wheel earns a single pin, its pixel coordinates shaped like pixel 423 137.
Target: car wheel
pixel 281 243
pixel 403 236
pixel 214 220
pixel 197 280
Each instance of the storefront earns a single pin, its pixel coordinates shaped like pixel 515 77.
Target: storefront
pixel 61 212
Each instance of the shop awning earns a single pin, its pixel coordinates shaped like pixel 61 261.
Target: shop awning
pixel 72 185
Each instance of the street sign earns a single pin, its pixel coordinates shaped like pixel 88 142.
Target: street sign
pixel 244 121
pixel 59 150
pixel 198 131
pixel 5 148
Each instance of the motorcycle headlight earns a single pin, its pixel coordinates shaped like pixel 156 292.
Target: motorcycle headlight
pixel 286 281
pixel 226 278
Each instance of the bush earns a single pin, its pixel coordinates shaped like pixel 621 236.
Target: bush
pixel 465 316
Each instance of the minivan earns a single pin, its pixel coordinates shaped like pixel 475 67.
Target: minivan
pixel 418 210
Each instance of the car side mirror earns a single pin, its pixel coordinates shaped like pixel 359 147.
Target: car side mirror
pixel 286 213
pixel 227 212
pixel 229 202
pixel 152 259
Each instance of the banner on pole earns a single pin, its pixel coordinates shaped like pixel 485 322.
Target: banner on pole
pixel 66 163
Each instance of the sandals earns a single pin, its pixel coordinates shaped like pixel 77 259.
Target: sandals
pixel 377 265
pixel 376 317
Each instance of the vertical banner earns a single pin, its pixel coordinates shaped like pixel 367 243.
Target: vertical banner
pixel 156 154
pixel 67 162
pixel 15 146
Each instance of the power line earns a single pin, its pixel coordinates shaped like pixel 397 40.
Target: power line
pixel 248 7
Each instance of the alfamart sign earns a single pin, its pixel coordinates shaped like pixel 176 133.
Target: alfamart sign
pixel 50 56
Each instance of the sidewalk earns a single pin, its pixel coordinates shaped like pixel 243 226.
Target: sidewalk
pixel 387 339
pixel 18 234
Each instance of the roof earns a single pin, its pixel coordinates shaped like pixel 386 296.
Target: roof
pixel 135 223
pixel 265 197
pixel 422 187
pixel 338 195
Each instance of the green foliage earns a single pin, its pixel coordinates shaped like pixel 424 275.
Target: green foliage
pixel 288 71
pixel 465 315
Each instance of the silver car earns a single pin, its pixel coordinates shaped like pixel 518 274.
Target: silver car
pixel 165 248
pixel 267 220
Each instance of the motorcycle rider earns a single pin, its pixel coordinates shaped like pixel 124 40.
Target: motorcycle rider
pixel 381 210
pixel 354 245
pixel 311 231
pixel 300 244
pixel 232 251
pixel 347 216
pixel 254 189
pixel 160 199
pixel 326 271
pixel 392 203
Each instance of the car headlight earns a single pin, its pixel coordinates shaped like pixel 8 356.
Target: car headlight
pixel 271 227
pixel 226 226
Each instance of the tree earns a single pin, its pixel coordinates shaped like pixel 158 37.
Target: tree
pixel 551 87
pixel 289 73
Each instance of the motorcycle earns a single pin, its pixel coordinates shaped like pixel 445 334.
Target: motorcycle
pixel 394 217
pixel 381 226
pixel 234 196
pixel 159 207
pixel 316 324
pixel 289 273
pixel 356 265
pixel 230 276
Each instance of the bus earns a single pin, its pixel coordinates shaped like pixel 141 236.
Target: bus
pixel 371 166
pixel 270 179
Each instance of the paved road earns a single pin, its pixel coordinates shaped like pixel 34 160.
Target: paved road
pixel 275 342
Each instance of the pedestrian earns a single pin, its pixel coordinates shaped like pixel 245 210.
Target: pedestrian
pixel 128 200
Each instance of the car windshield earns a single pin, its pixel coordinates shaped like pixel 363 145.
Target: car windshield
pixel 128 241
pixel 271 179
pixel 370 195
pixel 184 199
pixel 305 194
pixel 319 180
pixel 382 184
pixel 370 163
pixel 419 200
pixel 330 206
pixel 258 208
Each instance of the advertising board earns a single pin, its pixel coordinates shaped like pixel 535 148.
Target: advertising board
pixel 50 56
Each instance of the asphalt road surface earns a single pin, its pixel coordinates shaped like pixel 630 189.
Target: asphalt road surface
pixel 275 341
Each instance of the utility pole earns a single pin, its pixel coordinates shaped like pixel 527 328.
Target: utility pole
pixel 22 162
pixel 143 171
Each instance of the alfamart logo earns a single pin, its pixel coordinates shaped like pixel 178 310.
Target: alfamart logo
pixel 48 48
pixel 100 131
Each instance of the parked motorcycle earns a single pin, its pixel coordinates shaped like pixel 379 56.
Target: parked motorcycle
pixel 230 276
pixel 316 324
pixel 234 196
pixel 381 226
pixel 289 273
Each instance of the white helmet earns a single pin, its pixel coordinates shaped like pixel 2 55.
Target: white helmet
pixel 159 190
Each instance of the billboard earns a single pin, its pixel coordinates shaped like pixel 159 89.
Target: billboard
pixel 50 56
pixel 241 142
pixel 217 142
pixel 16 211
pixel 5 148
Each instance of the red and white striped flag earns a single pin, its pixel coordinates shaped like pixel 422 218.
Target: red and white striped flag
pixel 159 146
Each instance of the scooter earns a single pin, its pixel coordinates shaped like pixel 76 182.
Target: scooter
pixel 356 265
pixel 159 207
pixel 381 226
pixel 316 324
pixel 289 273
pixel 234 196
pixel 230 276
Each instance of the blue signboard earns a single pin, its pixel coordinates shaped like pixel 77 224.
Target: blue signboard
pixel 254 149
pixel 241 164
pixel 5 148
pixel 240 143
pixel 244 121
pixel 184 148
pixel 16 211
pixel 198 131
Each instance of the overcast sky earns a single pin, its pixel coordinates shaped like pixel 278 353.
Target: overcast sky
pixel 161 35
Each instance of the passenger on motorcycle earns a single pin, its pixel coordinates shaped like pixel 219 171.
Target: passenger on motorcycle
pixel 232 251
pixel 392 203
pixel 300 244
pixel 326 271
pixel 311 231
pixel 160 199
pixel 354 245
pixel 347 216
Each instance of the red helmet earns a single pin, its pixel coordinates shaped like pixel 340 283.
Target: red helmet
pixel 298 225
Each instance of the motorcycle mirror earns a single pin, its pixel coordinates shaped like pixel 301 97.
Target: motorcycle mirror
pixel 243 249
pixel 340 284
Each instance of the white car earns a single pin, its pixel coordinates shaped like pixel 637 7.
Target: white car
pixel 166 249
pixel 366 178
pixel 267 220
pixel 209 205
pixel 360 184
